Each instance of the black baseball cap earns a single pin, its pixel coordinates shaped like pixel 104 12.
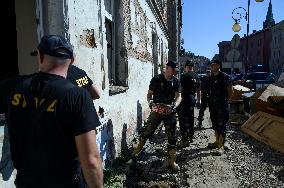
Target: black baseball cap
pixel 215 61
pixel 172 64
pixel 189 63
pixel 56 45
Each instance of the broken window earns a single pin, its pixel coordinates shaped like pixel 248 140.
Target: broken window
pixel 109 6
pixel 117 65
pixel 110 50
pixel 155 53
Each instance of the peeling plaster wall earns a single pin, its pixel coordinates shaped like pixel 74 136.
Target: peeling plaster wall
pixel 133 49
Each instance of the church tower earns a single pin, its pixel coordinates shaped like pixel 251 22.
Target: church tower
pixel 269 22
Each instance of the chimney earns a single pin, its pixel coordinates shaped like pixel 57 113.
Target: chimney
pixel 254 31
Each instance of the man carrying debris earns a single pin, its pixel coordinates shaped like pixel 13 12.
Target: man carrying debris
pixel 220 90
pixel 162 97
pixel 190 85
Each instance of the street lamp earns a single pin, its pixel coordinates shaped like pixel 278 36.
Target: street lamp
pixel 237 14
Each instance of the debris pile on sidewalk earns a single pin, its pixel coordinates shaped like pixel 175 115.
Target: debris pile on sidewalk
pixel 248 163
pixel 271 100
pixel 267 121
pixel 237 112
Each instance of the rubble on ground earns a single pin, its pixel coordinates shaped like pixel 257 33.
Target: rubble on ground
pixel 248 163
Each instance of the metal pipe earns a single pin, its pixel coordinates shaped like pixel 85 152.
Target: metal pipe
pixel 247 57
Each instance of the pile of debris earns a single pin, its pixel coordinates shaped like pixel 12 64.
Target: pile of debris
pixel 267 121
pixel 237 105
pixel 260 113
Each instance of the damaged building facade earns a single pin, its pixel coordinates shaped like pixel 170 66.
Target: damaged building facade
pixel 121 44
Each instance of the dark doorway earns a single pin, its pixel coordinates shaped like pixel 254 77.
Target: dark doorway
pixel 9 67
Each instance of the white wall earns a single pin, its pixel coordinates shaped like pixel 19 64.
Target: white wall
pixel 120 108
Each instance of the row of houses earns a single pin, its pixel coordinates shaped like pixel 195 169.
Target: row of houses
pixel 121 44
pixel 265 47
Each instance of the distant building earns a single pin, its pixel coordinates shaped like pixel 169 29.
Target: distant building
pixel 258 43
pixel 200 62
pixel 276 62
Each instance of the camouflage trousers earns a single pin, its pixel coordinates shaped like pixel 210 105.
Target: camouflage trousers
pixel 154 121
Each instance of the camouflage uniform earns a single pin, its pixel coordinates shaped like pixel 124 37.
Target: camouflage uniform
pixel 164 92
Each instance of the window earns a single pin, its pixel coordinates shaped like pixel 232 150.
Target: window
pixel 116 59
pixel 110 38
pixel 155 53
pixel 110 50
pixel 259 42
pixel 109 6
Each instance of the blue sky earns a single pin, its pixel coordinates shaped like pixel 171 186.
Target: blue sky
pixel 207 22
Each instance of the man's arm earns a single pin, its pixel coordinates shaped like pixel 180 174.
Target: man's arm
pixel 150 97
pixel 90 159
pixel 198 92
pixel 94 92
pixel 230 91
pixel 177 99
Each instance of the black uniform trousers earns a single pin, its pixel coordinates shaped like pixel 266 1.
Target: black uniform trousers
pixel 203 106
pixel 219 115
pixel 186 118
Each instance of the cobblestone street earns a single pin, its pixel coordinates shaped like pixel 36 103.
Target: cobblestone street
pixel 247 163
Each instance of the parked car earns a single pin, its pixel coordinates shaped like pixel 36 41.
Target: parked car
pixel 256 80
pixel 237 79
pixel 201 75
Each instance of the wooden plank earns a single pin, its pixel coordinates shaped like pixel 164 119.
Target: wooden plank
pixel 267 128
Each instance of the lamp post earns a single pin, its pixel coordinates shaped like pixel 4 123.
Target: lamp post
pixel 237 14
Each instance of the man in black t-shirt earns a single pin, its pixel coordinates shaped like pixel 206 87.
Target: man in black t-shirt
pixel 51 123
pixel 220 90
pixel 162 96
pixel 80 78
pixel 190 85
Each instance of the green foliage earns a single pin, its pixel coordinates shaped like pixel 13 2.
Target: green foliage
pixel 189 54
pixel 112 179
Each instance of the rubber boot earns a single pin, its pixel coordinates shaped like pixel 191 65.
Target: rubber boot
pixel 221 141
pixel 216 143
pixel 136 152
pixel 171 161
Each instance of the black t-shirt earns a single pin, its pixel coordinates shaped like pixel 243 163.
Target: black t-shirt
pixel 164 90
pixel 189 83
pixel 218 86
pixel 78 77
pixel 205 85
pixel 44 113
